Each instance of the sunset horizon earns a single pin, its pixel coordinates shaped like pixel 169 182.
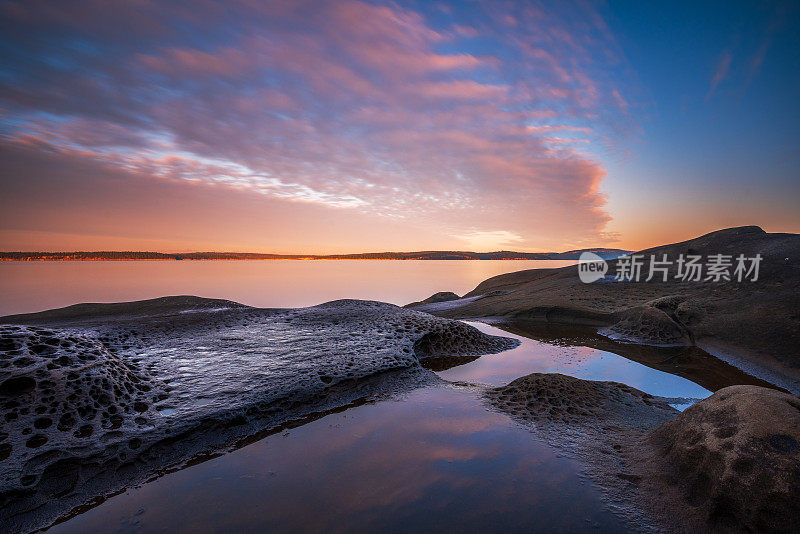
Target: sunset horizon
pixel 341 127
pixel 406 266
pixel 153 246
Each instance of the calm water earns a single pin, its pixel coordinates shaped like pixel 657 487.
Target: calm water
pixel 581 362
pixel 35 286
pixel 435 460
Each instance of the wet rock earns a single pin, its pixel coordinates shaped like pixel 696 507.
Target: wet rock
pixel 452 339
pixel 555 401
pixel 60 477
pixel 17 385
pixel 128 389
pixel 77 380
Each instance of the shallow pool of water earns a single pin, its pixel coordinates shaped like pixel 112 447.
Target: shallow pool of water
pixel 434 461
pixel 533 356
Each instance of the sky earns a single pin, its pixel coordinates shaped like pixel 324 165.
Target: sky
pixel 350 126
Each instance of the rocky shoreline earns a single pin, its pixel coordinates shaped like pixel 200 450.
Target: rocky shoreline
pixel 729 463
pixel 99 397
pixel 753 324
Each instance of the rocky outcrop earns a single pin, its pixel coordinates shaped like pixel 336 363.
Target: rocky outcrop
pixel 753 324
pixel 61 390
pixel 96 397
pixel 734 460
pixel 550 399
pixel 442 296
pixel 647 325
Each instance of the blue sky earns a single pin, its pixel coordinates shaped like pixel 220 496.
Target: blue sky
pixel 730 146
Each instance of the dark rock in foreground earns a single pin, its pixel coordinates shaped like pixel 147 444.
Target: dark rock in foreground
pixel 729 463
pixel 553 399
pixel 734 458
pixel 99 396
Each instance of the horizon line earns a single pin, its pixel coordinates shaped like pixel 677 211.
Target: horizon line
pixel 131 255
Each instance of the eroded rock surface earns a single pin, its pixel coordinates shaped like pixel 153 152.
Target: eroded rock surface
pixel 647 325
pixel 729 463
pixel 553 398
pixel 733 460
pixel 62 389
pixel 96 397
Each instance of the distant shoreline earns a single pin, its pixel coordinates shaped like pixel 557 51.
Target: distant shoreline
pixel 278 259
pixel 252 256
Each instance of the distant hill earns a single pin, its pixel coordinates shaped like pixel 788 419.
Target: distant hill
pixel 422 255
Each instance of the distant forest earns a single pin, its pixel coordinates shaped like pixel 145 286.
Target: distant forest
pixel 424 255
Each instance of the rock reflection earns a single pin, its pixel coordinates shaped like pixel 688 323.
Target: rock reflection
pixel 692 363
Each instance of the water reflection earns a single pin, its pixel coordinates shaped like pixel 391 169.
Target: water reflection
pixel 534 356
pixel 437 460
pixel 691 363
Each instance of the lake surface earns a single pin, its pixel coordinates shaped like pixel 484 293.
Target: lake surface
pixel 435 459
pixel 35 286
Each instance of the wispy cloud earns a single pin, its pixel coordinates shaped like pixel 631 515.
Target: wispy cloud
pixel 720 72
pixel 351 105
pixel 489 241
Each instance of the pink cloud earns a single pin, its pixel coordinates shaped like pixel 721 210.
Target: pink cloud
pixel 354 107
pixel 460 90
pixel 720 72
